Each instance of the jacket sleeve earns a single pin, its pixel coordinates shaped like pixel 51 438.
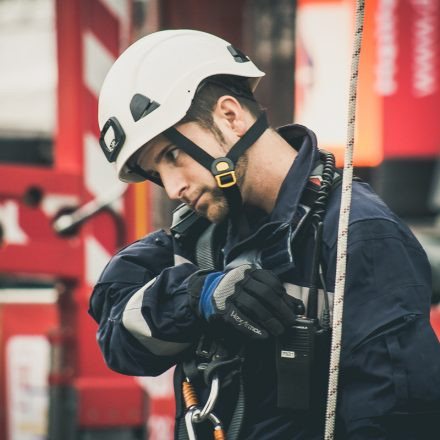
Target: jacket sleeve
pixel 141 306
pixel 390 360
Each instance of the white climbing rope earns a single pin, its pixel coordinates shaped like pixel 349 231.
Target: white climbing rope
pixel 341 257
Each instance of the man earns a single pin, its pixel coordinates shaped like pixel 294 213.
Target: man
pixel 178 108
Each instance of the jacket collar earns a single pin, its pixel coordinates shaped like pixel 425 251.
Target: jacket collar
pixel 304 141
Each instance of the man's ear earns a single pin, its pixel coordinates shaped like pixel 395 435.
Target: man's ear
pixel 229 113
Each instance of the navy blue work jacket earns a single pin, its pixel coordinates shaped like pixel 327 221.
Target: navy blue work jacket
pixel 390 360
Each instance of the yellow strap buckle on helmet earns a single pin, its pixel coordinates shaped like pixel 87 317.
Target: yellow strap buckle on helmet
pixel 224 172
pixel 225 180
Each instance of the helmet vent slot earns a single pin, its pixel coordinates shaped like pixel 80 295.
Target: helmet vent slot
pixel 141 106
pixel 238 55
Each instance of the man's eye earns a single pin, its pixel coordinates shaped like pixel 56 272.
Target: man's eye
pixel 171 155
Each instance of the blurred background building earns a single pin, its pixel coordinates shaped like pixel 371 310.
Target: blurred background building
pixel 63 213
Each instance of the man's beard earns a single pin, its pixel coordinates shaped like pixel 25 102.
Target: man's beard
pixel 216 208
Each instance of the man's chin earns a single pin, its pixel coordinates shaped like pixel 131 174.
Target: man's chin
pixel 215 214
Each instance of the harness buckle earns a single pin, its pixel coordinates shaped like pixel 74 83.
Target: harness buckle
pixel 226 180
pixel 206 347
pixel 223 170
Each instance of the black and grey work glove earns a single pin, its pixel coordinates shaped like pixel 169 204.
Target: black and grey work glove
pixel 251 300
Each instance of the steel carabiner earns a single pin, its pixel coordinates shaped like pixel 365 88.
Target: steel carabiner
pixel 212 399
pixel 219 433
pixel 196 415
pixel 189 424
pixel 192 416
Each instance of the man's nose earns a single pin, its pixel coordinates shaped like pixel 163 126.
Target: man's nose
pixel 175 186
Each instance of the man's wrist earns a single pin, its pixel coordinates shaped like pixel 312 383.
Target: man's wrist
pixel 206 307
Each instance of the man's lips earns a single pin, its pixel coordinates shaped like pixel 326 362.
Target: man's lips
pixel 193 204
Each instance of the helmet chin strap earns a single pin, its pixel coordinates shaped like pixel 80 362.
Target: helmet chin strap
pixel 224 168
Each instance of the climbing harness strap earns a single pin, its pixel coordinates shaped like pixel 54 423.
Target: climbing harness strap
pixel 213 362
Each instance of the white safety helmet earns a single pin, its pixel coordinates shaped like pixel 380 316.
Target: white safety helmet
pixel 151 85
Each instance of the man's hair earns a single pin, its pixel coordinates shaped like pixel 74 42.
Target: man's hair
pixel 208 93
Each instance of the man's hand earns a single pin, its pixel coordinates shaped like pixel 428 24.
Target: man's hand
pixel 250 300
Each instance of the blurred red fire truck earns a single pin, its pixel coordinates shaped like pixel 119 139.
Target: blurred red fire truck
pixel 53 381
